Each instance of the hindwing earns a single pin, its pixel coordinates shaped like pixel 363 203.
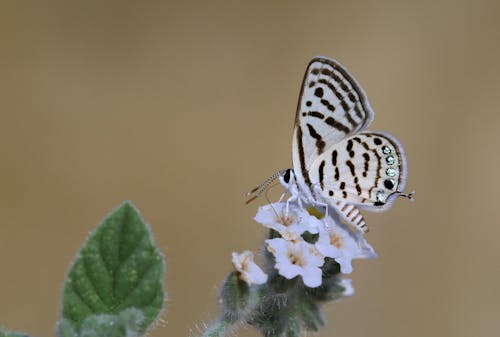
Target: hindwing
pixel 367 169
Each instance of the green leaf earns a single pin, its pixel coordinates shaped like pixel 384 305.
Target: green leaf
pixel 287 314
pixel 118 268
pixel 309 313
pixel 12 334
pixel 65 329
pixel 127 323
pixel 330 290
pixel 237 298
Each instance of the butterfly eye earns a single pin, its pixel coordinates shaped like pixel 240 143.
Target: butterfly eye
pixel 286 176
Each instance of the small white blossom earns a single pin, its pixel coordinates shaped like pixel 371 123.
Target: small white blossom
pixel 289 224
pixel 342 244
pixel 347 284
pixel 247 269
pixel 295 258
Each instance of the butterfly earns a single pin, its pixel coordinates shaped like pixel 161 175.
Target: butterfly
pixel 336 161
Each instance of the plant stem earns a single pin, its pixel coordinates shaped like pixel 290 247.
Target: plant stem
pixel 219 328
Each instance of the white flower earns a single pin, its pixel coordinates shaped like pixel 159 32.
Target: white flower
pixel 347 284
pixel 342 244
pixel 295 258
pixel 247 269
pixel 289 224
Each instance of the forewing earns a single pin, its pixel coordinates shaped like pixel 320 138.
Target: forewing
pixel 367 169
pixel 332 106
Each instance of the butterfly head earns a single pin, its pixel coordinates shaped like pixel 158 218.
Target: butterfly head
pixel 287 178
pixel 283 176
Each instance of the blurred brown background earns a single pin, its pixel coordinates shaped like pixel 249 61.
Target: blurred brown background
pixel 182 107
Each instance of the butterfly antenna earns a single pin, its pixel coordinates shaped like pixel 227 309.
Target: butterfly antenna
pixel 270 202
pixel 267 192
pixel 257 191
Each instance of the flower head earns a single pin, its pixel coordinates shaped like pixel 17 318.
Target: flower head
pixel 295 258
pixel 347 285
pixel 289 221
pixel 247 270
pixel 342 244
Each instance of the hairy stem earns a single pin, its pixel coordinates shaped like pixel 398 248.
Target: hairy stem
pixel 218 328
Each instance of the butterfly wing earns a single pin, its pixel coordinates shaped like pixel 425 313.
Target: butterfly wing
pixel 367 170
pixel 332 106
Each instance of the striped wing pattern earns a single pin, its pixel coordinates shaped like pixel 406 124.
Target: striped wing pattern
pixel 334 160
pixel 366 170
pixel 332 106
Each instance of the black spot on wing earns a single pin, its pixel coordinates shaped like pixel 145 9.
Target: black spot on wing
pixel 337 125
pixel 328 105
pixel 349 148
pixel 349 145
pixel 351 167
pixel 339 96
pixel 366 146
pixel 366 156
pixel 346 77
pixel 302 160
pixel 350 119
pixel 316 114
pixel 326 72
pixel 320 144
pixel 332 88
pixel 321 174
pixel 334 157
pixel 389 184
pixel 345 106
pixel 358 112
pixel 375 185
pixel 336 78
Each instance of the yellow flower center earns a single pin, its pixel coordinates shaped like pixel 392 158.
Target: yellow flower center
pixel 314 212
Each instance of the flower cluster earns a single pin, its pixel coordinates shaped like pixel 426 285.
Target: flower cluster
pixel 304 241
pixel 247 270
pixel 305 259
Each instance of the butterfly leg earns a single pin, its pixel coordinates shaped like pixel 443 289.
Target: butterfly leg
pixel 317 191
pixel 289 200
pixel 294 193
